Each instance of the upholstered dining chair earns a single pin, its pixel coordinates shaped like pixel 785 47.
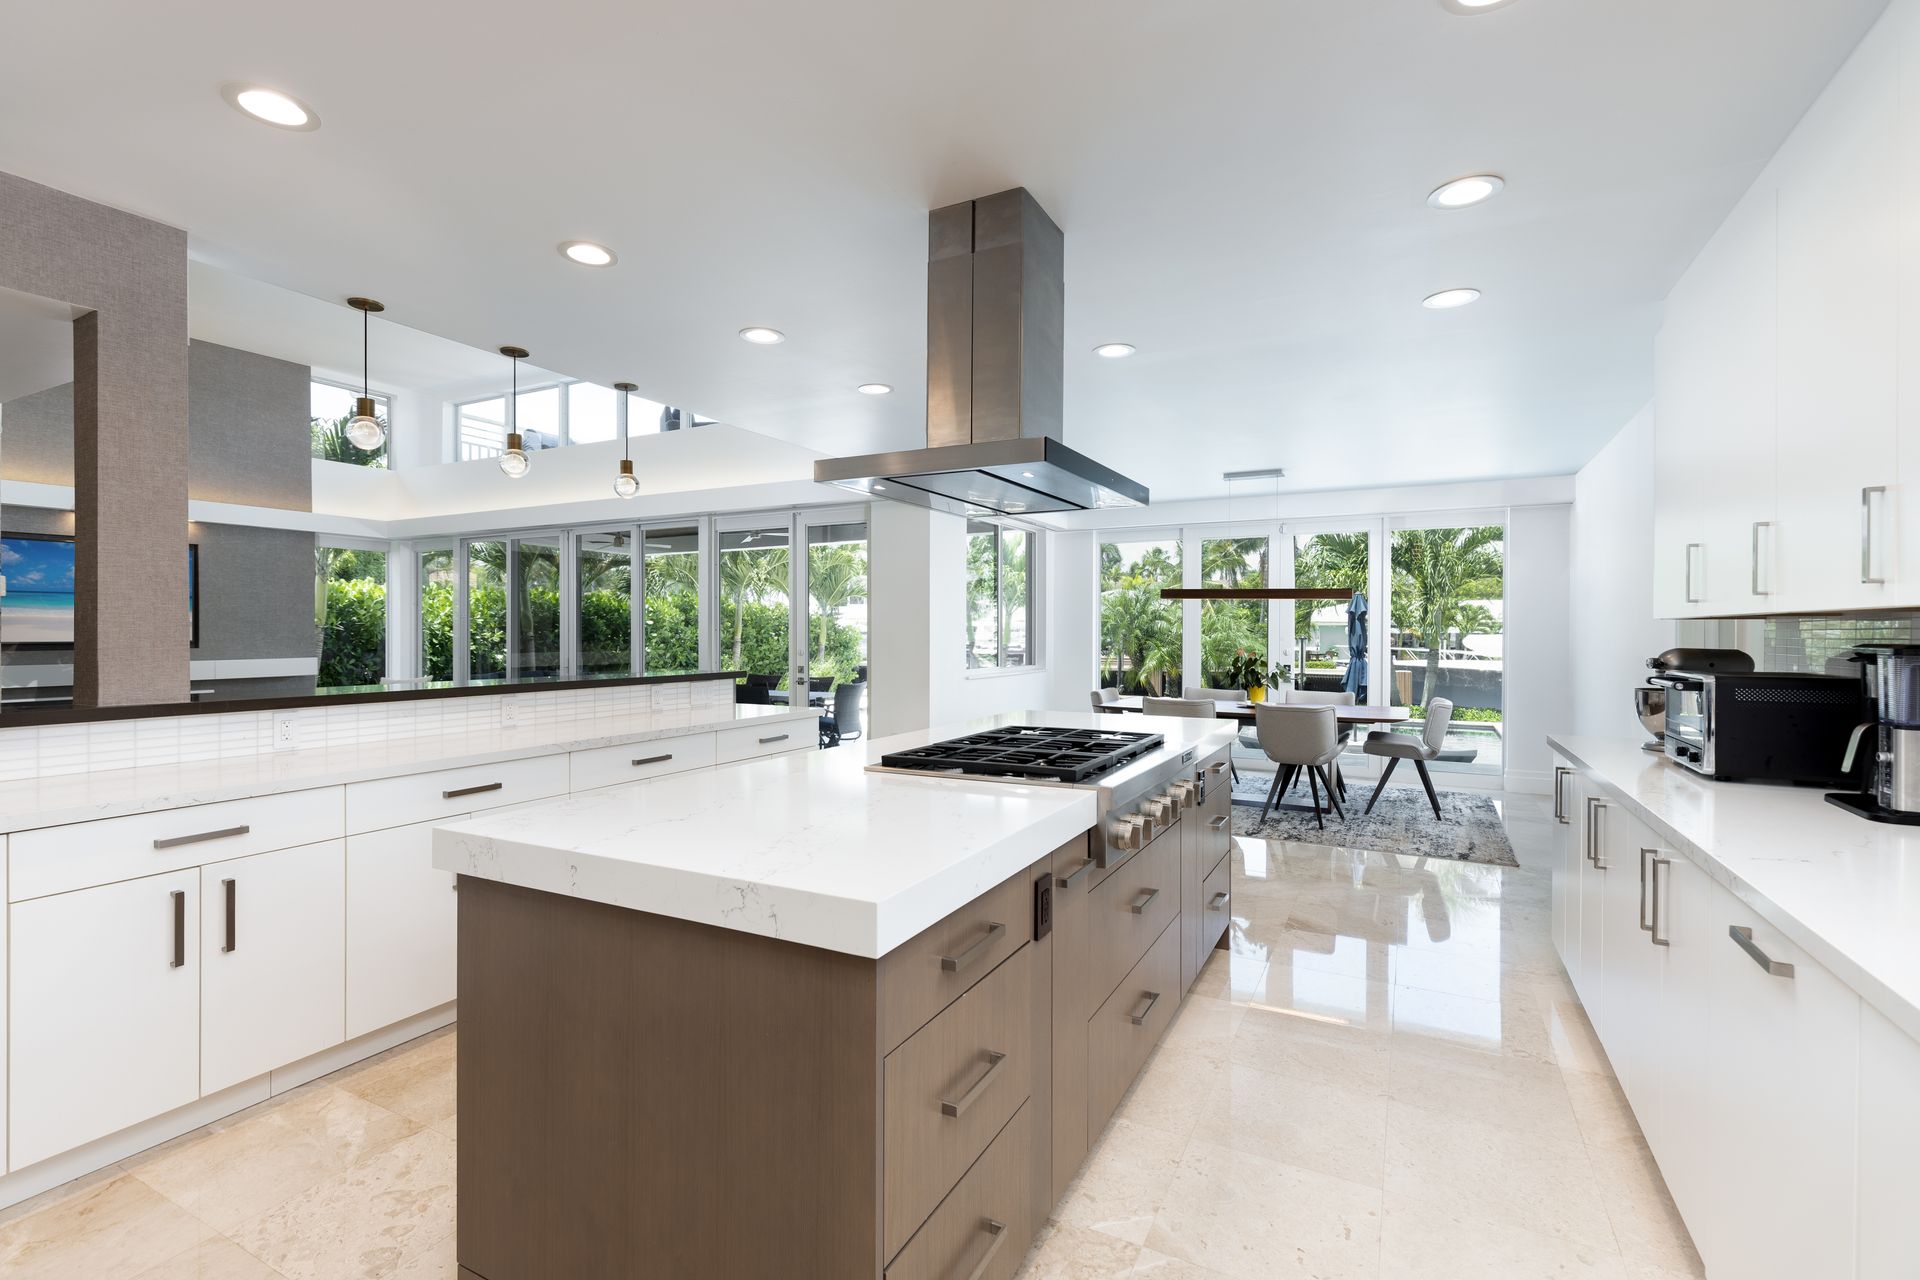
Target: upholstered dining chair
pixel 1395 747
pixel 1325 698
pixel 1299 738
pixel 1247 738
pixel 1103 699
pixel 1195 708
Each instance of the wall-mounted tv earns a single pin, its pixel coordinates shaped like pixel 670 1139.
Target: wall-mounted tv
pixel 37 610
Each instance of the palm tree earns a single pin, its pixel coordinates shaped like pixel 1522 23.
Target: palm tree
pixel 750 576
pixel 1136 623
pixel 836 578
pixel 1440 571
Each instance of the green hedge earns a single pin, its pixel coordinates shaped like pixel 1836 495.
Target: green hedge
pixel 353 638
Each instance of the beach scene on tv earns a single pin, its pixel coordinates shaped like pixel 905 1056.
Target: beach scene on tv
pixel 38 606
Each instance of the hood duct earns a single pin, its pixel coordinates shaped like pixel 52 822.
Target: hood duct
pixel 996 310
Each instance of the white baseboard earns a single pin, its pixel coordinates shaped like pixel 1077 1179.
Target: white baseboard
pixel 1530 782
pixel 22 1184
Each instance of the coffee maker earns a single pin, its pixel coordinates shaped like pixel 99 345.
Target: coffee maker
pixel 1890 741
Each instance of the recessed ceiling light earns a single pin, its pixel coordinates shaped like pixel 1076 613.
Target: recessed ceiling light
pixel 873 388
pixel 1447 299
pixel 762 336
pixel 1464 193
pixel 587 253
pixel 1473 6
pixel 1114 350
pixel 270 106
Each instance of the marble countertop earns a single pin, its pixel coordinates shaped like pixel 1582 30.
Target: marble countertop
pixel 811 848
pixel 111 793
pixel 1845 889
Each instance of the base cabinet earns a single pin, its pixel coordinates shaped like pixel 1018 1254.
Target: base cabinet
pixel 402 927
pixel 106 1018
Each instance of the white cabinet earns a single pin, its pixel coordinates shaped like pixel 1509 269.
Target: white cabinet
pixel 1679 1064
pixel 1889 1136
pixel 402 927
pixel 447 795
pixel 638 761
pixel 105 1011
pixel 1566 860
pixel 1631 961
pixel 272 961
pixel 1589 970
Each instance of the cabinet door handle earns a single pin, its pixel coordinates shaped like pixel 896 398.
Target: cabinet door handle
pixel 457 792
pixel 229 944
pixel 954 964
pixel 957 1107
pixel 653 759
pixel 1219 900
pixel 1144 901
pixel 1217 768
pixel 174 842
pixel 1742 935
pixel 1140 1018
pixel 1758 525
pixel 778 737
pixel 179 929
pixel 1067 882
pixel 1691 548
pixel 1595 807
pixel 998 1230
pixel 1645 854
pixel 1218 823
pixel 1654 923
pixel 1560 773
pixel 1867 495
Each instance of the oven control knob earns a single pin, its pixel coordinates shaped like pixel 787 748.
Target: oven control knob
pixel 1128 833
pixel 1183 794
pixel 1159 810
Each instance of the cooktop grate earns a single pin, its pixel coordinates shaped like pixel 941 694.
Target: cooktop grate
pixel 1059 755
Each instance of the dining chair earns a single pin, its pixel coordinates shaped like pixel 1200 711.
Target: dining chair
pixel 1395 747
pixel 1195 709
pixel 843 721
pixel 1103 699
pixel 1299 738
pixel 1328 698
pixel 1247 739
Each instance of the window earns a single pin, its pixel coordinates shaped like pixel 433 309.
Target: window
pixel 1233 633
pixel 604 561
pixel 837 601
pixel 353 625
pixel 487 610
pixel 1449 588
pixel 436 613
pixel 549 417
pixel 481 428
pixel 1000 589
pixel 671 576
pixel 754 602
pixel 330 408
pixel 536 604
pixel 1321 654
pixel 1140 634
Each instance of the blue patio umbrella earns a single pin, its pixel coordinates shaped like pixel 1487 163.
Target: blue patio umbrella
pixel 1356 681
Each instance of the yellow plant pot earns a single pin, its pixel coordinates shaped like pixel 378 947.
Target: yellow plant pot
pixel 1257 694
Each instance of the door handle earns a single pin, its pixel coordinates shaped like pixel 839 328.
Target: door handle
pixel 1758 525
pixel 652 760
pixel 954 964
pixel 174 842
pixel 1219 900
pixel 1743 936
pixel 1560 773
pixel 1654 875
pixel 956 1108
pixel 1691 548
pixel 778 737
pixel 1067 882
pixel 1645 854
pixel 1217 823
pixel 1144 901
pixel 1867 495
pixel 1140 1018
pixel 998 1230
pixel 229 944
pixel 1595 807
pixel 179 929
pixel 457 792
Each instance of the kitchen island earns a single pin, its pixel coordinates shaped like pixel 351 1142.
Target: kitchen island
pixel 811 1019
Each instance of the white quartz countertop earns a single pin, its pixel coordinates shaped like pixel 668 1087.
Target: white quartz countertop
pixel 1845 889
pixel 810 848
pixel 111 793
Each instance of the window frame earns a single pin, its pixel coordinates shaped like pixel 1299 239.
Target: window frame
pixel 1036 596
pixel 384 399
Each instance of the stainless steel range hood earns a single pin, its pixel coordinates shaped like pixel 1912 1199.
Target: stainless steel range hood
pixel 996 307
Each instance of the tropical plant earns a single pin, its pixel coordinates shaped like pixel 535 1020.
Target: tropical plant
pixel 748 577
pixel 330 443
pixel 1440 573
pixel 836 578
pixel 353 634
pixel 1336 561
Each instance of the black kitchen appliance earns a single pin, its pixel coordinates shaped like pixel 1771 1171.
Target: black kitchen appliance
pixel 1885 748
pixel 1762 726
pixel 1029 751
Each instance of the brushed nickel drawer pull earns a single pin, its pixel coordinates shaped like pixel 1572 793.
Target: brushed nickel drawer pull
pixel 778 737
pixel 1067 882
pixel 1867 576
pixel 958 1108
pixel 954 964
pixel 1217 768
pixel 1216 824
pixel 179 929
pixel 229 944
pixel 174 842
pixel 1140 1018
pixel 1744 936
pixel 1220 900
pixel 998 1230
pixel 1144 901
pixel 457 792
pixel 653 759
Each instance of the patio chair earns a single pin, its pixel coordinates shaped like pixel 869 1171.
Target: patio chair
pixel 844 721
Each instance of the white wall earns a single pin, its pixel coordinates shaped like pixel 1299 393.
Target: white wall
pixel 1614 630
pixel 1537 698
pixel 898 635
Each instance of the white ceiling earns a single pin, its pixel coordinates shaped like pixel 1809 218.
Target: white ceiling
pixel 1241 183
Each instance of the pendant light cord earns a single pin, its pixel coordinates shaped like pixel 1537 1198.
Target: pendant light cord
pixel 366 384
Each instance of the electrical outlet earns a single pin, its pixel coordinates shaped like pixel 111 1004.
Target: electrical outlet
pixel 509 712
pixel 283 733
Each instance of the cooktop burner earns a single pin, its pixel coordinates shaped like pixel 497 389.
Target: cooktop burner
pixel 1028 751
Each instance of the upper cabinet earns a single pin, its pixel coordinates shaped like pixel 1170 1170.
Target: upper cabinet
pixel 1783 367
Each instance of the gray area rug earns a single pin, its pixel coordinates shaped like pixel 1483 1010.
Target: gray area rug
pixel 1468 829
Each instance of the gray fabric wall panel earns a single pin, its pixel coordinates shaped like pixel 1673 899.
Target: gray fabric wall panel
pixel 247 429
pixel 256 592
pixel 39 437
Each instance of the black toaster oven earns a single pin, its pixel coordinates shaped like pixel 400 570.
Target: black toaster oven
pixel 1770 726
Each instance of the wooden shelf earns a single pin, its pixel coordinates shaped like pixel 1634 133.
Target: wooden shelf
pixel 1256 593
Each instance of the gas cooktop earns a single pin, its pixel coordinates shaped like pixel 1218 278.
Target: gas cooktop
pixel 1029 751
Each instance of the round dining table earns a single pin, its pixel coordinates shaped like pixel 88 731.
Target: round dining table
pixel 1243 711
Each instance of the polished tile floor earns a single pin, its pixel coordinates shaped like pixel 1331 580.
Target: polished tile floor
pixel 1386 1076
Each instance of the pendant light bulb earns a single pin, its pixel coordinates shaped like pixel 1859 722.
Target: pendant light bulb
pixel 625 483
pixel 365 432
pixel 514 463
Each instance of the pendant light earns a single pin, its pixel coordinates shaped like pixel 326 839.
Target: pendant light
pixel 624 484
pixel 365 432
pixel 514 461
pixel 1275 474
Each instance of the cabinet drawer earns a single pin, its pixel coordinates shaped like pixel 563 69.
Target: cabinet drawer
pixel 1216 908
pixel 427 797
pixel 982 1227
pixel 1130 908
pixel 1214 817
pixel 58 859
pixel 1125 1029
pixel 637 761
pixel 950 1089
pixel 924 975
pixel 749 741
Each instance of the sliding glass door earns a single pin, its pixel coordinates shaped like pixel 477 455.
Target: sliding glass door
pixel 756 598
pixel 485 615
pixel 604 626
pixel 836 593
pixel 671 603
pixel 1233 633
pixel 1322 632
pixel 1142 637
pixel 1449 603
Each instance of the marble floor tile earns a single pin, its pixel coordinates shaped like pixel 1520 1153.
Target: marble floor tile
pixel 1508 1092
pixel 1312 1047
pixel 1063 1251
pixel 1646 1224
pixel 1172 1088
pixel 1159 1266
pixel 417 1080
pixel 114 1227
pixel 1426 1239
pixel 1124 1181
pixel 1605 1118
pixel 1312 1125
pixel 216 1258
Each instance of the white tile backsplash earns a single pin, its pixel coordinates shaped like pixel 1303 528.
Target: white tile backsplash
pixel 557 715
